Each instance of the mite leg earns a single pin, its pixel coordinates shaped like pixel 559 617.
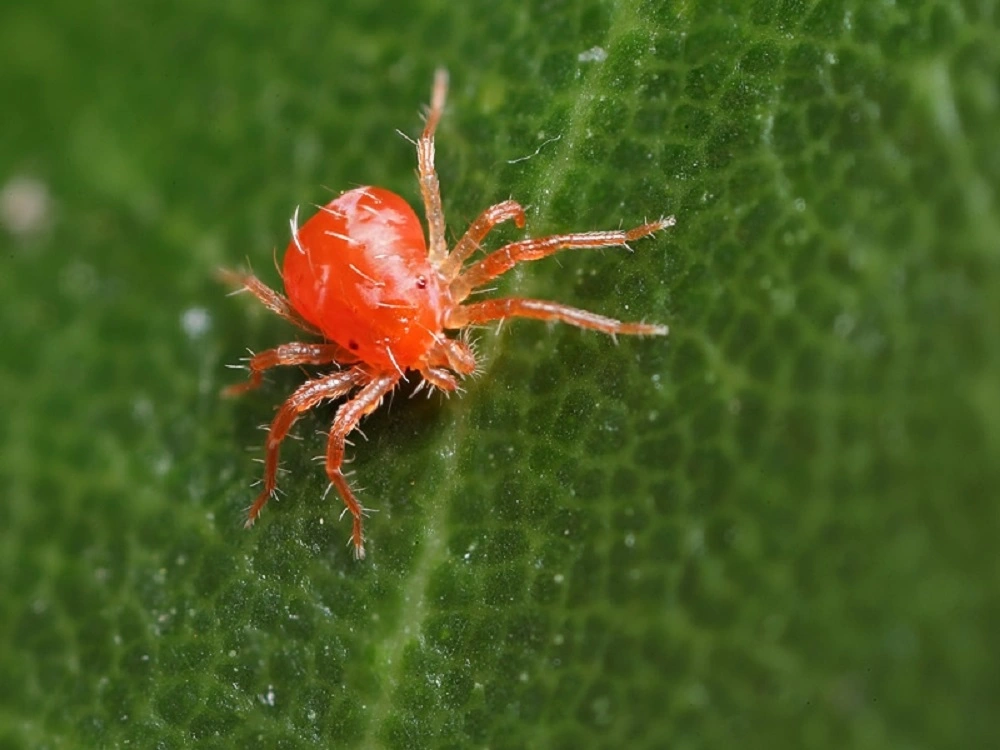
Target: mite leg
pixel 518 307
pixel 308 395
pixel 477 231
pixel 440 378
pixel 272 300
pixel 349 414
pixel 430 188
pixel 295 353
pixel 500 261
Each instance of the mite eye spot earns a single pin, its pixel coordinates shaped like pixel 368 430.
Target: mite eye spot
pixel 352 345
pixel 421 282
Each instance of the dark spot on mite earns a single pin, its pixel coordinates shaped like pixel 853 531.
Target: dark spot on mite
pixel 352 345
pixel 421 282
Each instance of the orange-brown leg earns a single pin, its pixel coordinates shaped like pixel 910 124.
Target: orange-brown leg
pixel 430 188
pixel 518 307
pixel 477 232
pixel 308 395
pixel 294 353
pixel 272 300
pixel 500 261
pixel 349 414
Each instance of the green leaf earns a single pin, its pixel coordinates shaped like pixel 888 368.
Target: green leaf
pixel 773 529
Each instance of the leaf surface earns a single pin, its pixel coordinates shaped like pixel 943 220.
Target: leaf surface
pixel 774 528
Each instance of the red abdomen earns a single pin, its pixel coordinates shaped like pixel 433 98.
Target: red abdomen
pixel 358 271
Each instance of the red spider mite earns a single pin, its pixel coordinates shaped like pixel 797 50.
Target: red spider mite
pixel 360 276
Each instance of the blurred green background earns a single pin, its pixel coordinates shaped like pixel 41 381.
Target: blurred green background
pixel 776 528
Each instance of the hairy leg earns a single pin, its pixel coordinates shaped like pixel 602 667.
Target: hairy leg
pixel 430 188
pixel 308 395
pixel 500 261
pixel 518 307
pixel 272 300
pixel 439 377
pixel 294 353
pixel 477 232
pixel 349 414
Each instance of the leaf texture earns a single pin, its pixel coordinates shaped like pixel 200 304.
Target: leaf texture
pixel 773 529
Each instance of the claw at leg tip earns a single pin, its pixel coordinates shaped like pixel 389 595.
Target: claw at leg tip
pixel 359 547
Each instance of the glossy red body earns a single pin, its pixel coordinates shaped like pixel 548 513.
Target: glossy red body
pixel 358 271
